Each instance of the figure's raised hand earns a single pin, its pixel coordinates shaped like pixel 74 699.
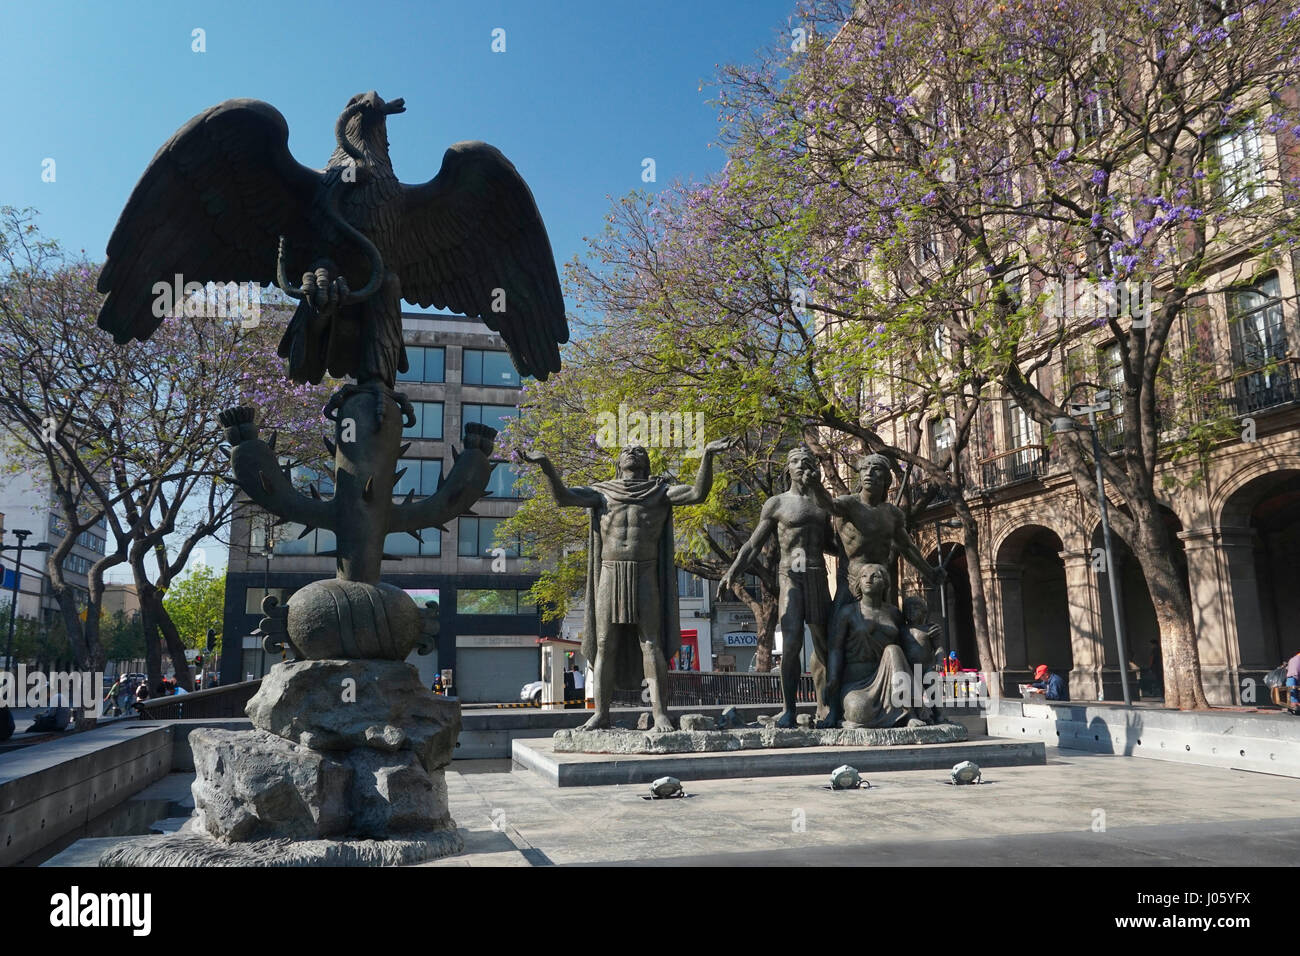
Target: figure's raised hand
pixel 479 436
pixel 727 583
pixel 532 457
pixel 719 444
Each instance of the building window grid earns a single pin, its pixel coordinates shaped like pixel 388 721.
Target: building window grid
pixel 1022 432
pixel 489 367
pixel 422 476
pixel 1240 159
pixel 476 538
pixel 427 363
pixel 1094 113
pixel 494 416
pixel 1110 424
pixel 428 421
pixel 504 483
pixel 689 585
pixel 402 544
pixel 510 601
pixel 1256 323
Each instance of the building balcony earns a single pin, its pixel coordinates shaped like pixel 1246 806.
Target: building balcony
pixel 1010 467
pixel 1252 390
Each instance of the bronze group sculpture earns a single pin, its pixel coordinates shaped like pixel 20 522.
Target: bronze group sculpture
pixel 863 648
pixel 224 201
pixel 871 531
pixel 631 626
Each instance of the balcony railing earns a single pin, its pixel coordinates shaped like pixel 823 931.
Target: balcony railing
pixel 1251 390
pixel 1110 433
pixel 1009 467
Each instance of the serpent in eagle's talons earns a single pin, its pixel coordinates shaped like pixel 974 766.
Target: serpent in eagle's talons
pixel 381 392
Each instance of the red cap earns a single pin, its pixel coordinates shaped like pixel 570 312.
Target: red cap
pixel 1040 672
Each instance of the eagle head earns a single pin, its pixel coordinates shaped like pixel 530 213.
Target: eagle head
pixel 362 130
pixel 372 105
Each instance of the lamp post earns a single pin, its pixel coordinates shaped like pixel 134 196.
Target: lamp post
pixel 941 566
pixel 268 546
pixel 22 536
pixel 1064 425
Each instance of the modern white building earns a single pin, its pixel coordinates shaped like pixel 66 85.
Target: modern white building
pixel 28 504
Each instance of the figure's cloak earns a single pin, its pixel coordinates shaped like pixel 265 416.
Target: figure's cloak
pixel 626 667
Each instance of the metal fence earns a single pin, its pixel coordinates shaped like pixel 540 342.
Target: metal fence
pixel 225 701
pixel 1019 464
pixel 1250 390
pixel 701 688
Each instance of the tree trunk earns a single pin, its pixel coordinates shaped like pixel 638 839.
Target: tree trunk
pixel 765 625
pixel 71 625
pixel 1173 606
pixel 764 610
pixel 979 606
pixel 175 646
pixel 152 651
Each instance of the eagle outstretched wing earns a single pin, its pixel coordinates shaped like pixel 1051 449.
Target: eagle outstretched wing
pixel 211 206
pixel 472 241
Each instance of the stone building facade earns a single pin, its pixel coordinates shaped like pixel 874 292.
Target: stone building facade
pixel 1237 526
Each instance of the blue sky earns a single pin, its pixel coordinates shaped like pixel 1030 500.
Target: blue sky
pixel 583 92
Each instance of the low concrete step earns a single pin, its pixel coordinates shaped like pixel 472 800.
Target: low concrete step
pixel 585 770
pixel 168 824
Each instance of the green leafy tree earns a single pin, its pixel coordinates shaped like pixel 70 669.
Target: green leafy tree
pixel 195 603
pixel 608 394
pixel 123 636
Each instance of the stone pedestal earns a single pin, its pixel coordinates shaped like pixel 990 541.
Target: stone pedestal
pixel 615 741
pixel 343 752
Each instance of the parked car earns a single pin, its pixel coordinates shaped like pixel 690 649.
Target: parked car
pixel 532 691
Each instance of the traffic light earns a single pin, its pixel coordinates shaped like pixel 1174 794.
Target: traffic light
pixel 198 661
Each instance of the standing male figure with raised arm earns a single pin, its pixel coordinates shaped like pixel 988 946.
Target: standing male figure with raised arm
pixel 631 595
pixel 802 532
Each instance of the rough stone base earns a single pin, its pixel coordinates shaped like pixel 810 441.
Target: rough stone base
pixel 338 705
pixel 189 849
pixel 251 786
pixel 766 738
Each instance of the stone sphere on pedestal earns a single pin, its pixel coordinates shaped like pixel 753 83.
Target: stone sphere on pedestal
pixel 336 619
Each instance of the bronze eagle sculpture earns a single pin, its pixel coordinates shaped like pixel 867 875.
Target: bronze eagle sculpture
pixel 224 200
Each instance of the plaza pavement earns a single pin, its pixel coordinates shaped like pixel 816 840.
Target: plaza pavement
pixel 1156 813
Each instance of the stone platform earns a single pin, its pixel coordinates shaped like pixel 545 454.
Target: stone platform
pixel 193 849
pixel 595 769
pixel 619 741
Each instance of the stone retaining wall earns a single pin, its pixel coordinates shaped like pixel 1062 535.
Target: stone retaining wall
pixel 53 788
pixel 1263 743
